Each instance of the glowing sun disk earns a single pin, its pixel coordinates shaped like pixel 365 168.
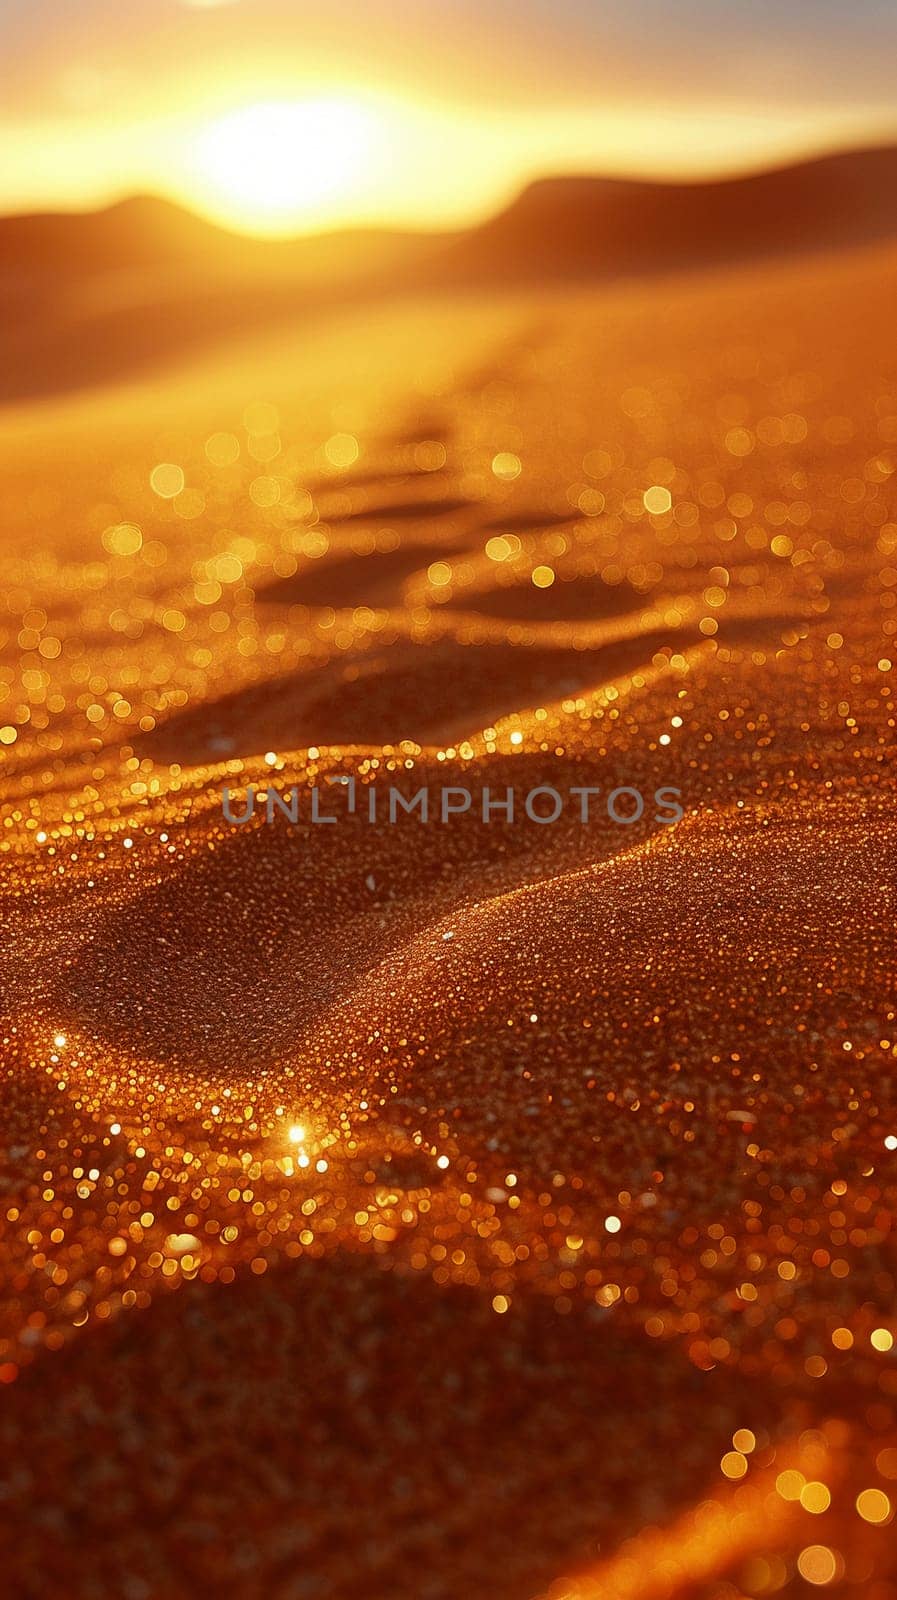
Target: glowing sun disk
pixel 279 160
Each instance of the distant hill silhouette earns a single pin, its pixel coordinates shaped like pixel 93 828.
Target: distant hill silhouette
pixel 619 225
pixel 146 231
pixel 139 232
pixel 91 297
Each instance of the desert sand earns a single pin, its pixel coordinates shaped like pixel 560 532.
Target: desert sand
pixel 478 1210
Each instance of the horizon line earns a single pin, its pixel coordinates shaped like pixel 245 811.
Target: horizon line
pixel 713 177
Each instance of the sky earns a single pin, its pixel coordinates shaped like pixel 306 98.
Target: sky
pixel 286 115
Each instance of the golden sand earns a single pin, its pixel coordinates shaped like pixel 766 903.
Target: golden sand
pixel 467 1210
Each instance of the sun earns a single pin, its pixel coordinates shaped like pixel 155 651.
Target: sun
pixel 281 163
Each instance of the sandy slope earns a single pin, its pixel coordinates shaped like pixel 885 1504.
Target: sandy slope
pixel 592 1171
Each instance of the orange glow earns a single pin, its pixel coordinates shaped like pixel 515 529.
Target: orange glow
pixel 278 116
pixel 293 154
